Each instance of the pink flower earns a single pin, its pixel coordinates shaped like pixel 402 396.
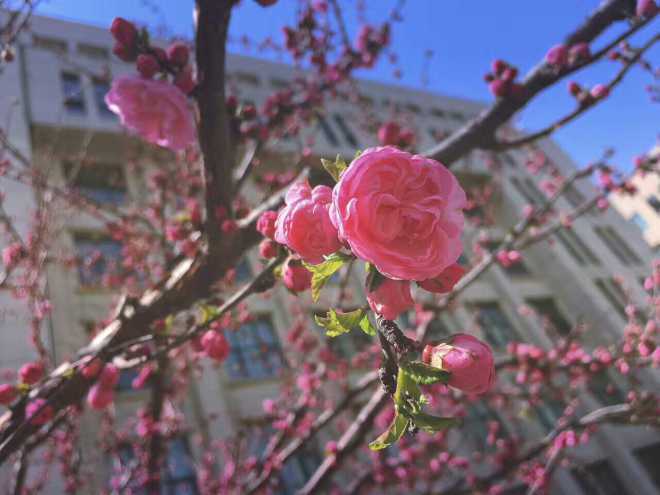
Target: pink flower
pixel 296 277
pixel 39 412
pixel 557 56
pixel 579 52
pixel 304 224
pixel 100 397
pixel 646 8
pixel 266 224
pixel 508 258
pixel 401 212
pixel 31 373
pixel 390 298
pixel 444 282
pixel 7 394
pixel 155 110
pixel 468 359
pixel 215 345
pixel 269 406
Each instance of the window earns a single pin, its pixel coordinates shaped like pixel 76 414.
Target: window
pixel 101 183
pixel 179 476
pixel 576 247
pixel 547 310
pixel 654 203
pixel 93 51
pixel 74 98
pixel 528 190
pixel 279 83
pixel 617 245
pixel 477 417
pixel 97 255
pixel 247 78
pixel 243 272
pixel 51 44
pixel 126 377
pixel 640 222
pixel 411 107
pixel 494 324
pixel 346 131
pixel 614 294
pixel 329 134
pixel 648 457
pixel 457 116
pixel 101 88
pixel 255 351
pixel 296 470
pixel 599 478
pixel 574 196
pixel 548 413
pixel 605 389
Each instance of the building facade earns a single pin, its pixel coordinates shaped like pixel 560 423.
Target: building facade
pixel 54 94
pixel 643 209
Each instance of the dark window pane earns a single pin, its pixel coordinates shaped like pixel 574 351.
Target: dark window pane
pixel 599 478
pixel 255 351
pixel 613 293
pixel 548 311
pixel 345 130
pixel 102 183
pixel 649 457
pixel 74 99
pixel 329 134
pixel 495 325
pixel 101 88
pixel 97 256
pixel 605 390
pixel 654 202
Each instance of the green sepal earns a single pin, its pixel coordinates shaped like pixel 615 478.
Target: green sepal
pixel 424 374
pixel 392 435
pixel 366 326
pixel 336 168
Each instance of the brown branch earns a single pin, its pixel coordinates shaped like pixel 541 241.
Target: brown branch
pixel 582 108
pixel 480 132
pixel 212 24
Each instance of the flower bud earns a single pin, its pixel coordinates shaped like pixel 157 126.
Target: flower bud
pixel 296 277
pixel 178 54
pixel 600 91
pixel 268 249
pixel 388 133
pixel 266 224
pixel 147 66
pixel 109 376
pixel 646 8
pixel 124 32
pixel 215 345
pixel 468 359
pixel 390 298
pixel 100 397
pixel 7 394
pixel 557 56
pixel 31 373
pixel 39 412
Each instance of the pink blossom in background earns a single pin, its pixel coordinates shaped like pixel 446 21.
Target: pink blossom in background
pixel 390 298
pixel 156 110
pixel 401 212
pixel 304 223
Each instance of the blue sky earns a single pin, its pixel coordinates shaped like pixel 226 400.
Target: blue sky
pixel 465 37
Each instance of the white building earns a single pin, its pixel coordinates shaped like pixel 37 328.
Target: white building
pixel 57 109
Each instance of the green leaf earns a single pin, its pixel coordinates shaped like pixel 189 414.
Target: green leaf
pixel 337 323
pixel 335 168
pixel 322 272
pixel 396 430
pixel 424 374
pixel 366 326
pixel 208 313
pixel 433 424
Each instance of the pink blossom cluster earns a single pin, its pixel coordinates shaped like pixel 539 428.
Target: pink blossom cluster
pixel 502 80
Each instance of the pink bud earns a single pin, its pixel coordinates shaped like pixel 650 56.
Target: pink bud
pixel 109 376
pixel 91 367
pixel 147 66
pixel 646 8
pixel 100 397
pixel 215 345
pixel 178 53
pixel 390 298
pixel 295 276
pixel 599 91
pixel 184 80
pixel 468 359
pixel 500 88
pixel 266 224
pixel 7 394
pixel 124 31
pixel 31 373
pixel 388 133
pixel 579 52
pixel 39 412
pixel 557 56
pixel 268 249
